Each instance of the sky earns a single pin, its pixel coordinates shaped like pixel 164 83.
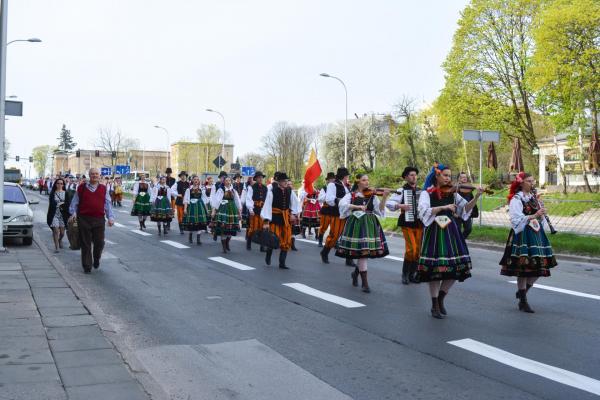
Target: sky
pixel 134 64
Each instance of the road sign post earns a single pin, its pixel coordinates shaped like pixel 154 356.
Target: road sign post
pixel 219 162
pixel 3 21
pixel 481 136
pixel 248 171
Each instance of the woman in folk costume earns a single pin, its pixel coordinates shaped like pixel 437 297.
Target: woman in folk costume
pixel 195 215
pixel 141 201
pixel 528 254
pixel 226 212
pixel 245 213
pixel 162 212
pixel 311 208
pixel 362 237
pixel 444 254
pixel 279 212
pixel 118 185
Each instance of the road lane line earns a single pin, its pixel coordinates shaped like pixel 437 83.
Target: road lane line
pixel 308 241
pixel 175 244
pixel 324 295
pixel 123 211
pixel 230 263
pixel 109 242
pixel 565 291
pixel 118 225
pixel 108 256
pixel 525 364
pixel 394 258
pixel 141 232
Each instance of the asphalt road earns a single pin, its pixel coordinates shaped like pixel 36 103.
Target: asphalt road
pixel 192 321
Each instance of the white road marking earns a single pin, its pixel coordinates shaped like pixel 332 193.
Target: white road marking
pixel 565 291
pixel 307 241
pixel 118 225
pixel 238 238
pixel 230 263
pixel 141 232
pixel 175 244
pixel 108 241
pixel 525 364
pixel 123 211
pixel 324 296
pixel 395 258
pixel 108 256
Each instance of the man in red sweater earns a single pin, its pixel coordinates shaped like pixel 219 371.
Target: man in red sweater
pixel 90 204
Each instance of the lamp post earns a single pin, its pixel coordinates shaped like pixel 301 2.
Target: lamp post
pixel 30 40
pixel 168 144
pixel 325 75
pixel 222 117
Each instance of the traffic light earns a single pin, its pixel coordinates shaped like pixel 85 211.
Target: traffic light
pixel 97 153
pixel 17 158
pixel 30 159
pixel 78 153
pixel 113 154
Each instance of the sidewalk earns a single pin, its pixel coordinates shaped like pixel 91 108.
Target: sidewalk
pixel 50 346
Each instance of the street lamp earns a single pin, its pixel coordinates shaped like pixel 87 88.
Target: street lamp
pixel 223 144
pixel 30 40
pixel 168 145
pixel 325 75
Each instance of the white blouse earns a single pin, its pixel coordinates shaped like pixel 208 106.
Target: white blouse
pixel 155 189
pixel 217 197
pixel 427 217
pixel 267 210
pixel 136 188
pixel 187 196
pixel 346 201
pixel 518 220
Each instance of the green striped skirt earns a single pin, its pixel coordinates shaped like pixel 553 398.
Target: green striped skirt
pixel 362 238
pixel 527 254
pixel 161 210
pixel 141 205
pixel 227 220
pixel 196 217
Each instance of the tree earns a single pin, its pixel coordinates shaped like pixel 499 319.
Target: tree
pixel 114 141
pixel 40 158
pixel 288 145
pixel 486 69
pixel 407 129
pixel 65 140
pixel 566 66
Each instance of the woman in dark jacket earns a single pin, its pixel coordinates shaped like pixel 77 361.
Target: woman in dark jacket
pixel 58 212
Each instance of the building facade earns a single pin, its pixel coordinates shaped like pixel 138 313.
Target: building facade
pixel 79 162
pixel 198 158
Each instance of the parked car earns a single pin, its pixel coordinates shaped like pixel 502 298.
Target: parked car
pixel 18 216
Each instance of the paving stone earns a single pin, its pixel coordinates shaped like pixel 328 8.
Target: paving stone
pixel 24 342
pixel 62 311
pixel 28 373
pixel 23 305
pixel 93 375
pixel 115 391
pixel 86 358
pixel 81 343
pixel 33 330
pixel 72 320
pixel 11 273
pixel 25 356
pixel 20 284
pixel 16 295
pixel 47 283
pixel 10 322
pixel 57 301
pixel 73 332
pixel 51 292
pixel 10 267
pixel 33 391
pixel 16 313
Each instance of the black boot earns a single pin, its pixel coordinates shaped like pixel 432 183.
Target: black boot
pixel 159 229
pixel 248 243
pixel 190 238
pixel 350 263
pixel 441 296
pixel 294 244
pixel 181 229
pixel 527 287
pixel 325 255
pixel 224 245
pixel 320 240
pixel 268 256
pixel 523 304
pixel 413 276
pixel 365 282
pixel 282 257
pixel 435 308
pixel 227 243
pixel 303 233
pixel 141 226
pixel 354 276
pixel 166 229
pixel 262 249
pixel 144 223
pixel 405 273
pixel 198 239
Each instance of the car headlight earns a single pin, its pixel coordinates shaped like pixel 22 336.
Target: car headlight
pixel 22 218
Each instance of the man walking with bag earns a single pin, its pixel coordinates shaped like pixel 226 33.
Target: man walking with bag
pixel 89 206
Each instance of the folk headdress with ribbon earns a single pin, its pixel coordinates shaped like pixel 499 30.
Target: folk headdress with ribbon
pixel 515 186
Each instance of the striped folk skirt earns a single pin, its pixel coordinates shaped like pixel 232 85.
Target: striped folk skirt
pixel 141 205
pixel 227 219
pixel 527 254
pixel 196 217
pixel 310 215
pixel 444 254
pixel 161 210
pixel 362 238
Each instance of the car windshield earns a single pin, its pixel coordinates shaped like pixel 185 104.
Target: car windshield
pixel 13 194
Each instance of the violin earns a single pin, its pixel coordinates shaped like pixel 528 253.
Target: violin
pixel 464 188
pixel 379 191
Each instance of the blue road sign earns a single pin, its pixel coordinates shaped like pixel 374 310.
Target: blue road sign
pixel 105 171
pixel 122 169
pixel 248 171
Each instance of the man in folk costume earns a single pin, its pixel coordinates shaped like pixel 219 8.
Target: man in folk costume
pixel 325 216
pixel 406 199
pixel 238 185
pixel 256 195
pixel 118 191
pixel 170 182
pixel 279 212
pixel 178 190
pixel 335 192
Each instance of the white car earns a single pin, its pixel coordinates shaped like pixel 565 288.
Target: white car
pixel 18 217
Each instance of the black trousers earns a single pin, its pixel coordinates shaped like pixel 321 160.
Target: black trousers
pixel 91 233
pixel 465 226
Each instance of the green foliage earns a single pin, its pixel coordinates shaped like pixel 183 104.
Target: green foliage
pixel 65 140
pixel 40 158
